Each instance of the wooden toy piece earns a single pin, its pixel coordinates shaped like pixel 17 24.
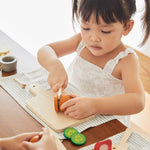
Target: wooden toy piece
pixel 78 139
pixel 35 138
pixel 75 137
pixel 23 85
pixel 103 145
pixel 42 105
pixel 3 50
pixel 68 132
pixel 59 144
pixel 59 93
pixel 58 104
pixel 123 145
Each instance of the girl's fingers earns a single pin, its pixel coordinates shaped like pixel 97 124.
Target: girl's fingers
pixel 65 84
pixel 73 114
pixel 67 104
pixel 59 85
pixel 55 87
pixel 70 109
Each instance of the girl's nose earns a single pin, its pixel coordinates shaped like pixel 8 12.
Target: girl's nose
pixel 95 37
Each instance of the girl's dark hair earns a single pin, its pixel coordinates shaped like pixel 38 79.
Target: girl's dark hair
pixel 109 10
pixel 146 21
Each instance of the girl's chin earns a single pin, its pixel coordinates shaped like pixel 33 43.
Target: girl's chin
pixel 97 53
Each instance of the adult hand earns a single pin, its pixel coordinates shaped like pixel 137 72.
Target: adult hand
pixel 15 142
pixel 47 142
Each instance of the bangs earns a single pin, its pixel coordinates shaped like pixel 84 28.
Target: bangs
pixel 110 10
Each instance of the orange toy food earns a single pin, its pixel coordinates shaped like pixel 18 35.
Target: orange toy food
pixel 63 99
pixel 35 138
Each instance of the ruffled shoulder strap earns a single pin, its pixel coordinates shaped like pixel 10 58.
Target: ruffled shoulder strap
pixel 80 47
pixel 110 65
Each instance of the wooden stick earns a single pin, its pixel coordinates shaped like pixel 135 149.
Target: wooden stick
pixel 23 85
pixel 59 93
pixel 126 135
pixel 123 145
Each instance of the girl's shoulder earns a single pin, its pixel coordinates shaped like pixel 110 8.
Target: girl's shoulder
pixel 130 59
pixel 124 59
pixel 129 55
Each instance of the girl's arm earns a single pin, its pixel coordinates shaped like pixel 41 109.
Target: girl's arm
pixel 2 143
pixel 133 100
pixel 61 48
pixel 48 58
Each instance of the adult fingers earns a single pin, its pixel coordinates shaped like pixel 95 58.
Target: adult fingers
pixel 45 131
pixel 28 136
pixel 27 145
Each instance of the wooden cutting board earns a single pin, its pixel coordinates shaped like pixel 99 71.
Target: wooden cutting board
pixel 42 104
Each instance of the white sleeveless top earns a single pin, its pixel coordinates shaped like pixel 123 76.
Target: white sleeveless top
pixel 93 81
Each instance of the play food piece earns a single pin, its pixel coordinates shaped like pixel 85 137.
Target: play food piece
pixel 75 137
pixel 56 104
pixel 3 50
pixel 78 139
pixel 23 85
pixel 123 145
pixel 68 132
pixel 35 138
pixel 103 145
pixel 63 99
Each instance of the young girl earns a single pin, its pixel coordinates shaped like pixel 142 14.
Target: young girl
pixel 48 142
pixel 104 70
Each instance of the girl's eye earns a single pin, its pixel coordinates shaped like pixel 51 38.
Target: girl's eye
pixel 86 29
pixel 106 32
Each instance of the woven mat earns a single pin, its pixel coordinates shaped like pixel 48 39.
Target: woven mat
pixel 135 142
pixel 39 77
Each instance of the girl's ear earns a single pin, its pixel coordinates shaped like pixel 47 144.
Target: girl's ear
pixel 128 27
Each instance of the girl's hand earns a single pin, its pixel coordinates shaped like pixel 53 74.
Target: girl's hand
pixel 57 76
pixel 47 142
pixel 79 107
pixel 15 142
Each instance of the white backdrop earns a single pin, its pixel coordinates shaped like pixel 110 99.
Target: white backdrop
pixel 34 23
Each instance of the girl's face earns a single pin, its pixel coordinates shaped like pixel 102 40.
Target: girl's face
pixel 101 38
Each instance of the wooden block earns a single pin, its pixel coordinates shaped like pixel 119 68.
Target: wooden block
pixel 42 104
pixel 3 50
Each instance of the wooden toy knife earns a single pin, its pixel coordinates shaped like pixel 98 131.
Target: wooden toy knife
pixel 58 97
